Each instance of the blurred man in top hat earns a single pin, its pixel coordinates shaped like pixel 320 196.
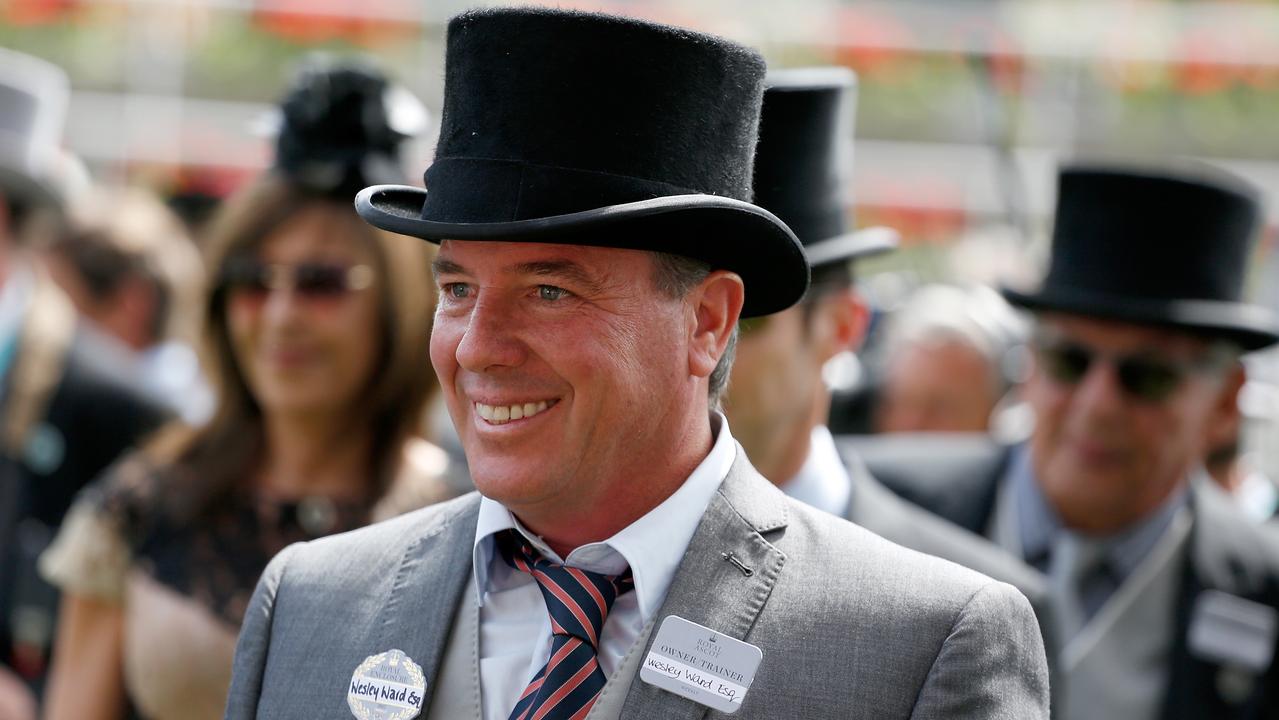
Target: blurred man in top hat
pixel 1166 596
pixel 624 559
pixel 66 409
pixel 777 401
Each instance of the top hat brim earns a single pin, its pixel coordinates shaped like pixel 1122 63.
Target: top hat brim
pixel 863 243
pixel 1252 327
pixel 727 234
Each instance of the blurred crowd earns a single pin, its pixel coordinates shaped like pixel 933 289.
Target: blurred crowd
pixel 180 399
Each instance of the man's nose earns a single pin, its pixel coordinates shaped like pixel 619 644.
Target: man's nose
pixel 1099 392
pixel 491 339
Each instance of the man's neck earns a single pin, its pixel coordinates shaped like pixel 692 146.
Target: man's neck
pixel 787 463
pixel 622 499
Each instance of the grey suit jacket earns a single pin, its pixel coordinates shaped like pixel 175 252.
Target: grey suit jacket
pixel 879 510
pixel 851 625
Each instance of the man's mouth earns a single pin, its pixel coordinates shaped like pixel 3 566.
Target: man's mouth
pixel 501 414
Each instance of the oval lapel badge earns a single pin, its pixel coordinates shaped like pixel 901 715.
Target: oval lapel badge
pixel 387 686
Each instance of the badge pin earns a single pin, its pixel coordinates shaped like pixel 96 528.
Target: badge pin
pixel 387 686
pixel 1235 685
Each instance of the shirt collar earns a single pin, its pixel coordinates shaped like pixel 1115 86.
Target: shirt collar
pixel 1040 524
pixel 652 546
pixel 1037 522
pixel 823 481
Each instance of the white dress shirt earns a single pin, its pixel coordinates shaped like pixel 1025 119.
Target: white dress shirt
pixel 823 482
pixel 515 630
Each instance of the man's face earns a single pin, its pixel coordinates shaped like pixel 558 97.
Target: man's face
pixel 1104 456
pixel 770 398
pixel 776 395
pixel 563 369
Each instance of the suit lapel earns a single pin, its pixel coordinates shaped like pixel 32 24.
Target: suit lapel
pixel 428 585
pixel 713 590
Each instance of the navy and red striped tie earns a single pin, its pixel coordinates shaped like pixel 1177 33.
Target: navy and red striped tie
pixel 578 602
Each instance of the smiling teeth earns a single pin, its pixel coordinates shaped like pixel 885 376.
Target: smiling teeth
pixel 499 414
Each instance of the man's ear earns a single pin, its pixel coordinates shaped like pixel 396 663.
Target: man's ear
pixel 1226 419
pixel 716 304
pixel 840 323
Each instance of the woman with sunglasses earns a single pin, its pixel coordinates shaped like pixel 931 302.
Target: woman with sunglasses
pixel 317 327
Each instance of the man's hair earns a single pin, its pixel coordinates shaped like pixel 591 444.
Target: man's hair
pixel 977 318
pixel 674 276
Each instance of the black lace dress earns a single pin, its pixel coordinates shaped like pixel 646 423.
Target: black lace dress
pixel 183 587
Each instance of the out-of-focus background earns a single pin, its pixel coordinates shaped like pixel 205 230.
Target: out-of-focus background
pixel 965 109
pixel 965 106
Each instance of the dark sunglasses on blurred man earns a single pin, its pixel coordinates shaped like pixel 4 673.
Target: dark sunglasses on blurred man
pixel 1142 377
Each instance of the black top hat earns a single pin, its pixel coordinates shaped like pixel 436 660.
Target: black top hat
pixel 341 124
pixel 33 105
pixel 804 162
pixel 571 127
pixel 1167 247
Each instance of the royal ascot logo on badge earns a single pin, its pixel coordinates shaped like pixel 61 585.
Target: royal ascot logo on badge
pixel 388 686
pixel 710 647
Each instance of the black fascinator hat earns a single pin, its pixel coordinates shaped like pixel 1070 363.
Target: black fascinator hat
pixel 581 128
pixel 340 127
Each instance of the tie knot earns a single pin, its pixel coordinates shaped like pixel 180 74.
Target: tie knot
pixel 578 601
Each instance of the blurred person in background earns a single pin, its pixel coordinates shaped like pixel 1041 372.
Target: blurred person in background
pixel 315 327
pixel 1165 594
pixel 945 359
pixel 67 409
pixel 776 400
pixel 132 271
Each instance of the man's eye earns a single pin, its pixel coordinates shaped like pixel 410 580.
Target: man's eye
pixel 456 290
pixel 550 292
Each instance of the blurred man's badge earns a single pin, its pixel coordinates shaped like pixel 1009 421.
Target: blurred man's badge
pixel 1231 630
pixel 387 686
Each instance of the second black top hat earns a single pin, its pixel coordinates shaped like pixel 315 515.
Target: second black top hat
pixel 571 127
pixel 803 164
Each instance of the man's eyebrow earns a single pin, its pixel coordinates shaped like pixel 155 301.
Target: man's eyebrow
pixel 566 269
pixel 440 266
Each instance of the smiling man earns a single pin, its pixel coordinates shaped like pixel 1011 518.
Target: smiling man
pixel 621 558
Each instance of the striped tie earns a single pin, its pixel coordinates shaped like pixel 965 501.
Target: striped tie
pixel 578 602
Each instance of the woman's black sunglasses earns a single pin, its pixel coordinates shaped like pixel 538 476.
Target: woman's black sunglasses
pixel 308 279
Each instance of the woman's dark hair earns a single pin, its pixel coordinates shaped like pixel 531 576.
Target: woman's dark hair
pixel 212 459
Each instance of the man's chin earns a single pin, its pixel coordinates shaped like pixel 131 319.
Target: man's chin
pixel 511 484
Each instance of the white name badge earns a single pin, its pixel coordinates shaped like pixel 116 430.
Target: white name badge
pixel 701 664
pixel 1233 631
pixel 387 686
